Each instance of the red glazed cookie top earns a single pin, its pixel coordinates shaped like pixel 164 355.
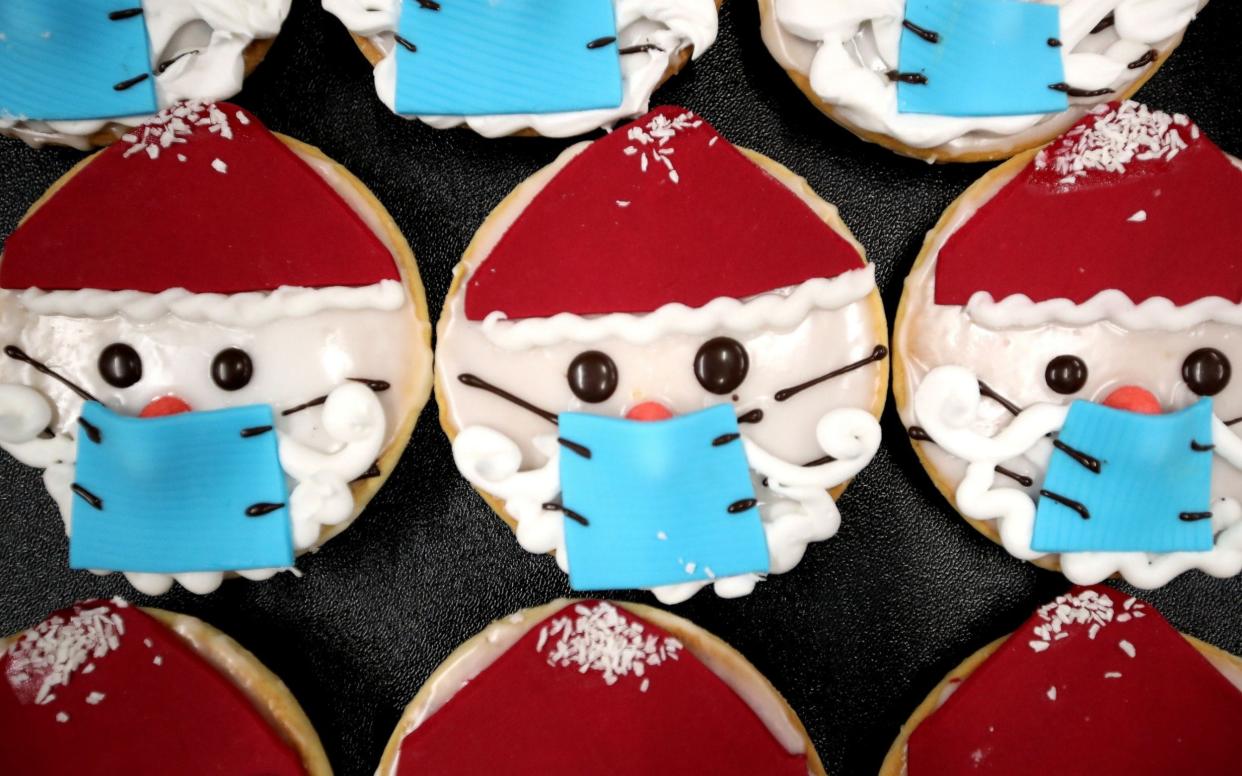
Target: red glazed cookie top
pixel 662 210
pixel 102 688
pixel 1129 199
pixel 1093 683
pixel 594 689
pixel 205 198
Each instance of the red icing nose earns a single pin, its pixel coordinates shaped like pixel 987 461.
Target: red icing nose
pixel 1134 399
pixel 163 406
pixel 649 410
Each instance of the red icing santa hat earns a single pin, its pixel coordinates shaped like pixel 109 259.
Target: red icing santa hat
pixel 1128 217
pixel 661 226
pixel 205 214
pixel 1095 682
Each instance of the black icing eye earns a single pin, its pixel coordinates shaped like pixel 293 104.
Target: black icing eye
pixel 592 376
pixel 1206 371
pixel 721 365
pixel 1066 374
pixel 232 369
pixel 120 365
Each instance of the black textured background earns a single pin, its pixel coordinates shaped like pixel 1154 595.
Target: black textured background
pixel 854 637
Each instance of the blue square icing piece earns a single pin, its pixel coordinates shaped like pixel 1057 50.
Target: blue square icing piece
pixel 482 57
pixel 1149 476
pixel 992 58
pixel 74 59
pixel 171 494
pixel 656 497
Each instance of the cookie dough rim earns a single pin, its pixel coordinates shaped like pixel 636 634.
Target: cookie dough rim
pixel 678 63
pixel 994 150
pixel 362 490
pixel 265 691
pixel 535 184
pixel 895 761
pixel 696 639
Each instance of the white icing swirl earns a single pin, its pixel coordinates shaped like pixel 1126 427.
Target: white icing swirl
pixel 217 31
pixel 669 25
pixel 847 47
pixel 1156 313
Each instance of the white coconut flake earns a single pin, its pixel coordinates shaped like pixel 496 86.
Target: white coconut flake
pixel 62 716
pixel 95 698
pixel 643 687
pixel 1127 648
pixel 52 652
pixel 1052 693
pixel 158 660
pixel 622 203
pixel 219 166
pixel 1112 674
pixel 1139 217
pixel 242 118
pixel 600 638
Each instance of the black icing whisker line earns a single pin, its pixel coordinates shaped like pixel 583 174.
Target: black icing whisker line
pixel 987 391
pixel 167 63
pixel 262 508
pixel 878 353
pixel 1104 24
pixel 1090 463
pixel 1055 42
pixel 254 431
pixel 474 381
pixel 919 433
pixel 928 35
pixel 567 512
pixel 906 78
pixel 126 13
pixel 725 439
pixel 87 496
pixel 821 461
pixel 1198 448
pixel 1021 479
pixel 47 433
pixel 1068 502
pixel 754 416
pixel 639 49
pixel 92 431
pixel 428 5
pixel 372 471
pixel 581 450
pixel 130 82
pixel 1194 517
pixel 17 354
pixel 1071 91
pixel 1233 422
pixel 598 43
pixel 378 386
pixel 405 43
pixel 1151 56
pixel 742 505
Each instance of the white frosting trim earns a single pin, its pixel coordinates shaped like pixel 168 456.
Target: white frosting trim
pixel 781 309
pixel 671 25
pixel 214 73
pixel 252 308
pixel 946 405
pixel 858 41
pixel 795 507
pixel 1159 313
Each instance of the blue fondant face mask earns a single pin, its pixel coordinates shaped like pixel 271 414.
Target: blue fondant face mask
pixel 657 503
pixel 1127 482
pixel 199 491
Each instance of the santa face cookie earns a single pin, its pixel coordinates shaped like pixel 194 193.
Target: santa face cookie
pixel 1065 349
pixel 555 68
pixel 658 355
pixel 1094 682
pixel 80 72
pixel 104 687
pixel 969 80
pixel 597 687
pixel 219 368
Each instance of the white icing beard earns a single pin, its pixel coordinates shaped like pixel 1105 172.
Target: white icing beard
pixel 512 453
pixel 1012 362
pixel 218 31
pixel 671 25
pixel 845 48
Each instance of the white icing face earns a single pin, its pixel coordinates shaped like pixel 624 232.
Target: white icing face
pixel 197 53
pixel 669 26
pixel 1013 362
pixel 846 48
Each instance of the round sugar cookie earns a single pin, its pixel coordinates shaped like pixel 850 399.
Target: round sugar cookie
pixel 519 70
pixel 211 384
pixel 598 687
pixel 848 56
pixel 83 76
pixel 1064 352
pixel 1094 682
pixel 104 687
pixel 658 356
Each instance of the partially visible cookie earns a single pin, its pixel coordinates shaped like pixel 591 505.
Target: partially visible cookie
pixel 104 687
pixel 556 68
pixel 1095 682
pixel 81 74
pixel 576 687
